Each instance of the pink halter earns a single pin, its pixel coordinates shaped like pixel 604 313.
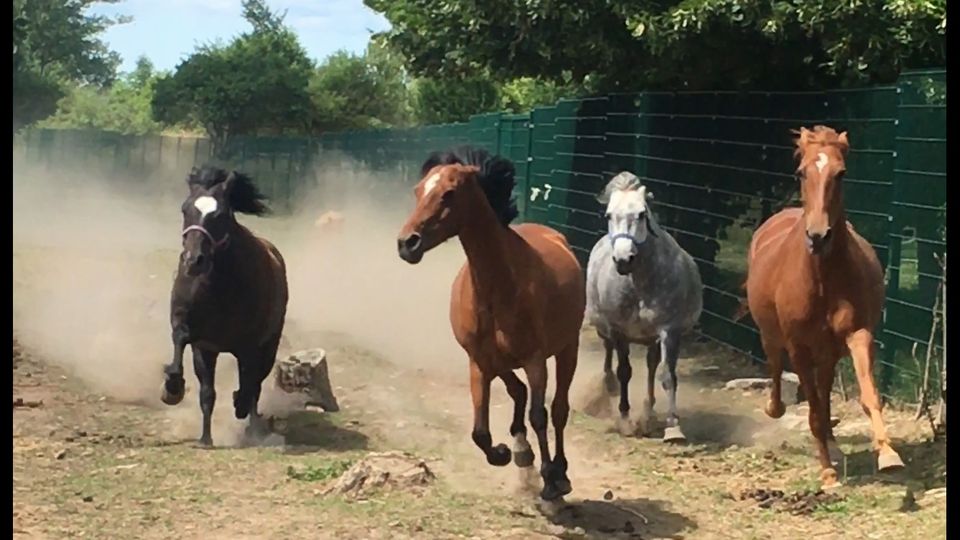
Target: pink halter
pixel 200 228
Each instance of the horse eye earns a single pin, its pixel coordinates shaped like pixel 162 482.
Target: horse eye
pixel 841 174
pixel 607 215
pixel 447 196
pixel 798 175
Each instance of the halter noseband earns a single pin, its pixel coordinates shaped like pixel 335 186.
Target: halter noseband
pixel 628 236
pixel 217 244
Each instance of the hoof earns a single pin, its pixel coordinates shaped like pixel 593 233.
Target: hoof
pixel 499 456
pixel 828 479
pixel 889 461
pixel 626 427
pixel 173 390
pixel 611 385
pixel 836 455
pixel 673 435
pixel 523 458
pixel 555 490
pixel 203 444
pixel 775 410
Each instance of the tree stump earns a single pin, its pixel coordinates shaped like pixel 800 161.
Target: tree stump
pixel 306 372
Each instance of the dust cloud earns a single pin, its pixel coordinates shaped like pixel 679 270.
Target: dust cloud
pixel 95 256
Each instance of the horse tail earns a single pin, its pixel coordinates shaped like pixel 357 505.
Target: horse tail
pixel 743 308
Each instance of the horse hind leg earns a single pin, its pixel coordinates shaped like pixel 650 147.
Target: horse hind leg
pixel 205 367
pixel 625 426
pixel 653 361
pixel 774 352
pixel 522 453
pixel 670 353
pixel 610 384
pixel 861 349
pixel 537 377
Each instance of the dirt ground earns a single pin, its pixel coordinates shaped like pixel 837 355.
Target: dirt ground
pixel 97 455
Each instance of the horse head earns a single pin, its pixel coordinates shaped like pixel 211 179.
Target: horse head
pixel 208 214
pixel 821 152
pixel 628 219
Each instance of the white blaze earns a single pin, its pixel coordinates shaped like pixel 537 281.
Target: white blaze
pixel 822 161
pixel 431 183
pixel 206 205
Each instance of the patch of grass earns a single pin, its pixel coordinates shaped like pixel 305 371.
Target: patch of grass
pixel 320 473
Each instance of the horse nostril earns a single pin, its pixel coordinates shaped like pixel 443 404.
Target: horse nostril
pixel 199 260
pixel 412 242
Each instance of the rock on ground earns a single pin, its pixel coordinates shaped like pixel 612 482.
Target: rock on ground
pixel 383 470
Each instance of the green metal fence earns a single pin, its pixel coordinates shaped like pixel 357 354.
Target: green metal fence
pixel 719 163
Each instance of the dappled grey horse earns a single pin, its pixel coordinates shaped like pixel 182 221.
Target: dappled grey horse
pixel 641 288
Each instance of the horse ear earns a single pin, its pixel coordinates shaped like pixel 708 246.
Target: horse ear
pixel 604 196
pixel 803 136
pixel 844 142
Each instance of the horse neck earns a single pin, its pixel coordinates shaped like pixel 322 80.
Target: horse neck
pixel 485 241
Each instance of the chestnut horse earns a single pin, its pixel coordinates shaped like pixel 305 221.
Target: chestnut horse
pixel 518 299
pixel 815 290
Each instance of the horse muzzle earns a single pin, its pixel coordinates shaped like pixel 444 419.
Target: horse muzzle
pixel 818 243
pixel 624 266
pixel 410 248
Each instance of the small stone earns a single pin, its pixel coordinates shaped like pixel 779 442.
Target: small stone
pixel 608 495
pixel 61 454
pixel 88 498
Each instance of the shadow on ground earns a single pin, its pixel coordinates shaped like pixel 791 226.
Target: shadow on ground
pixel 640 518
pixel 306 431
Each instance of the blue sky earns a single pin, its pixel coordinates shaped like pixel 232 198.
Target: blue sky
pixel 166 31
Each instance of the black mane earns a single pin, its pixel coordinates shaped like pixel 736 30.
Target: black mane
pixel 496 177
pixel 244 195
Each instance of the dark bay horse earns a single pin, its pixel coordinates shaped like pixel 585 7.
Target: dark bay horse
pixel 229 296
pixel 517 301
pixel 815 290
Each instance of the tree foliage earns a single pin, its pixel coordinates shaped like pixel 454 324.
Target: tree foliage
pixel 125 107
pixel 255 84
pixel 439 100
pixel 56 43
pixel 353 92
pixel 701 44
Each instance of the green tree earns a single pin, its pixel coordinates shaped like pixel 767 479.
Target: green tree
pixel 55 44
pixel 360 92
pixel 255 84
pixel 124 107
pixel 439 100
pixel 624 44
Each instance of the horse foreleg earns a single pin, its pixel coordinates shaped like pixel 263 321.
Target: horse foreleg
pixel 173 385
pixel 653 361
pixel 861 349
pixel 802 362
pixel 560 411
pixel 522 453
pixel 624 374
pixel 480 391
pixel 670 353
pixel 826 372
pixel 537 377
pixel 205 367
pixel 774 354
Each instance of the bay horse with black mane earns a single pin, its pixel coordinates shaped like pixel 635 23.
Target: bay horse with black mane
pixel 815 290
pixel 518 300
pixel 229 295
